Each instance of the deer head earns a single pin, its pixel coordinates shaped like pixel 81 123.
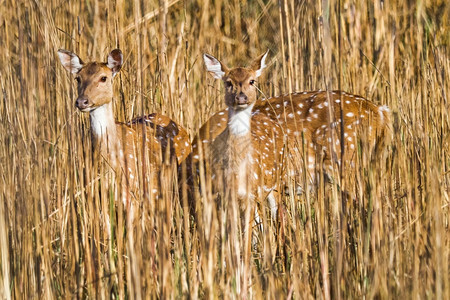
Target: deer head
pixel 240 89
pixel 94 79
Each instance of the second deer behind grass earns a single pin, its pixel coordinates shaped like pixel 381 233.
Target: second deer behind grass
pixel 257 147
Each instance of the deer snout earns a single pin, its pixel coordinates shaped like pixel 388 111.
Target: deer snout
pixel 82 103
pixel 241 99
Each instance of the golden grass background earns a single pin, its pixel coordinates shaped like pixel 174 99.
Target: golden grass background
pixel 392 242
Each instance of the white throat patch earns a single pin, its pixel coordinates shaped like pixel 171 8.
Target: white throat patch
pixel 239 122
pixel 101 119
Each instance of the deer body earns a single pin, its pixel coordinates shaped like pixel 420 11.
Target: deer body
pixel 330 120
pixel 143 139
pixel 306 115
pixel 246 159
pixel 304 128
pixel 246 151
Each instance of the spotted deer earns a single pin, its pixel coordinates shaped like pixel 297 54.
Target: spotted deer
pixel 244 145
pixel 124 145
pixel 255 140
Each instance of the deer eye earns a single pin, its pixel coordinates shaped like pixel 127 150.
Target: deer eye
pixel 77 79
pixel 252 82
pixel 228 84
pixel 103 79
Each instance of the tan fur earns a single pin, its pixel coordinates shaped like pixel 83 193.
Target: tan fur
pixel 90 86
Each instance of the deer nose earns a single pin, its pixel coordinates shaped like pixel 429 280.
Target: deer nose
pixel 241 98
pixel 81 103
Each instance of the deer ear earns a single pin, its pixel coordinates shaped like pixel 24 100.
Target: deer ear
pixel 259 64
pixel 70 61
pixel 214 66
pixel 115 60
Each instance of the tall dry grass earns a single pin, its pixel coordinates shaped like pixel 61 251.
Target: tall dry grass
pixel 391 241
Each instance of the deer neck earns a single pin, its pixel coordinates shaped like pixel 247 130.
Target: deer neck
pixel 239 142
pixel 239 121
pixel 239 133
pixel 104 132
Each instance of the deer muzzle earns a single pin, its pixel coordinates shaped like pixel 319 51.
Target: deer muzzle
pixel 82 103
pixel 241 99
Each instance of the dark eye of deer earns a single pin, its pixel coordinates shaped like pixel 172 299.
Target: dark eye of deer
pixel 228 84
pixel 252 82
pixel 77 79
pixel 103 79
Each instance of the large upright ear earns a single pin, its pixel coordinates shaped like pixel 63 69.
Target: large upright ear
pixel 70 61
pixel 115 60
pixel 259 64
pixel 214 66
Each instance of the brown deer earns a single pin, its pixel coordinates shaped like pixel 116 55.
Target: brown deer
pixel 253 140
pixel 244 145
pixel 122 144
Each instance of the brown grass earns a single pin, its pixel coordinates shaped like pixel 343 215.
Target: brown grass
pixel 392 242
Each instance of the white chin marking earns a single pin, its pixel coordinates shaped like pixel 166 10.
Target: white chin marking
pixel 239 122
